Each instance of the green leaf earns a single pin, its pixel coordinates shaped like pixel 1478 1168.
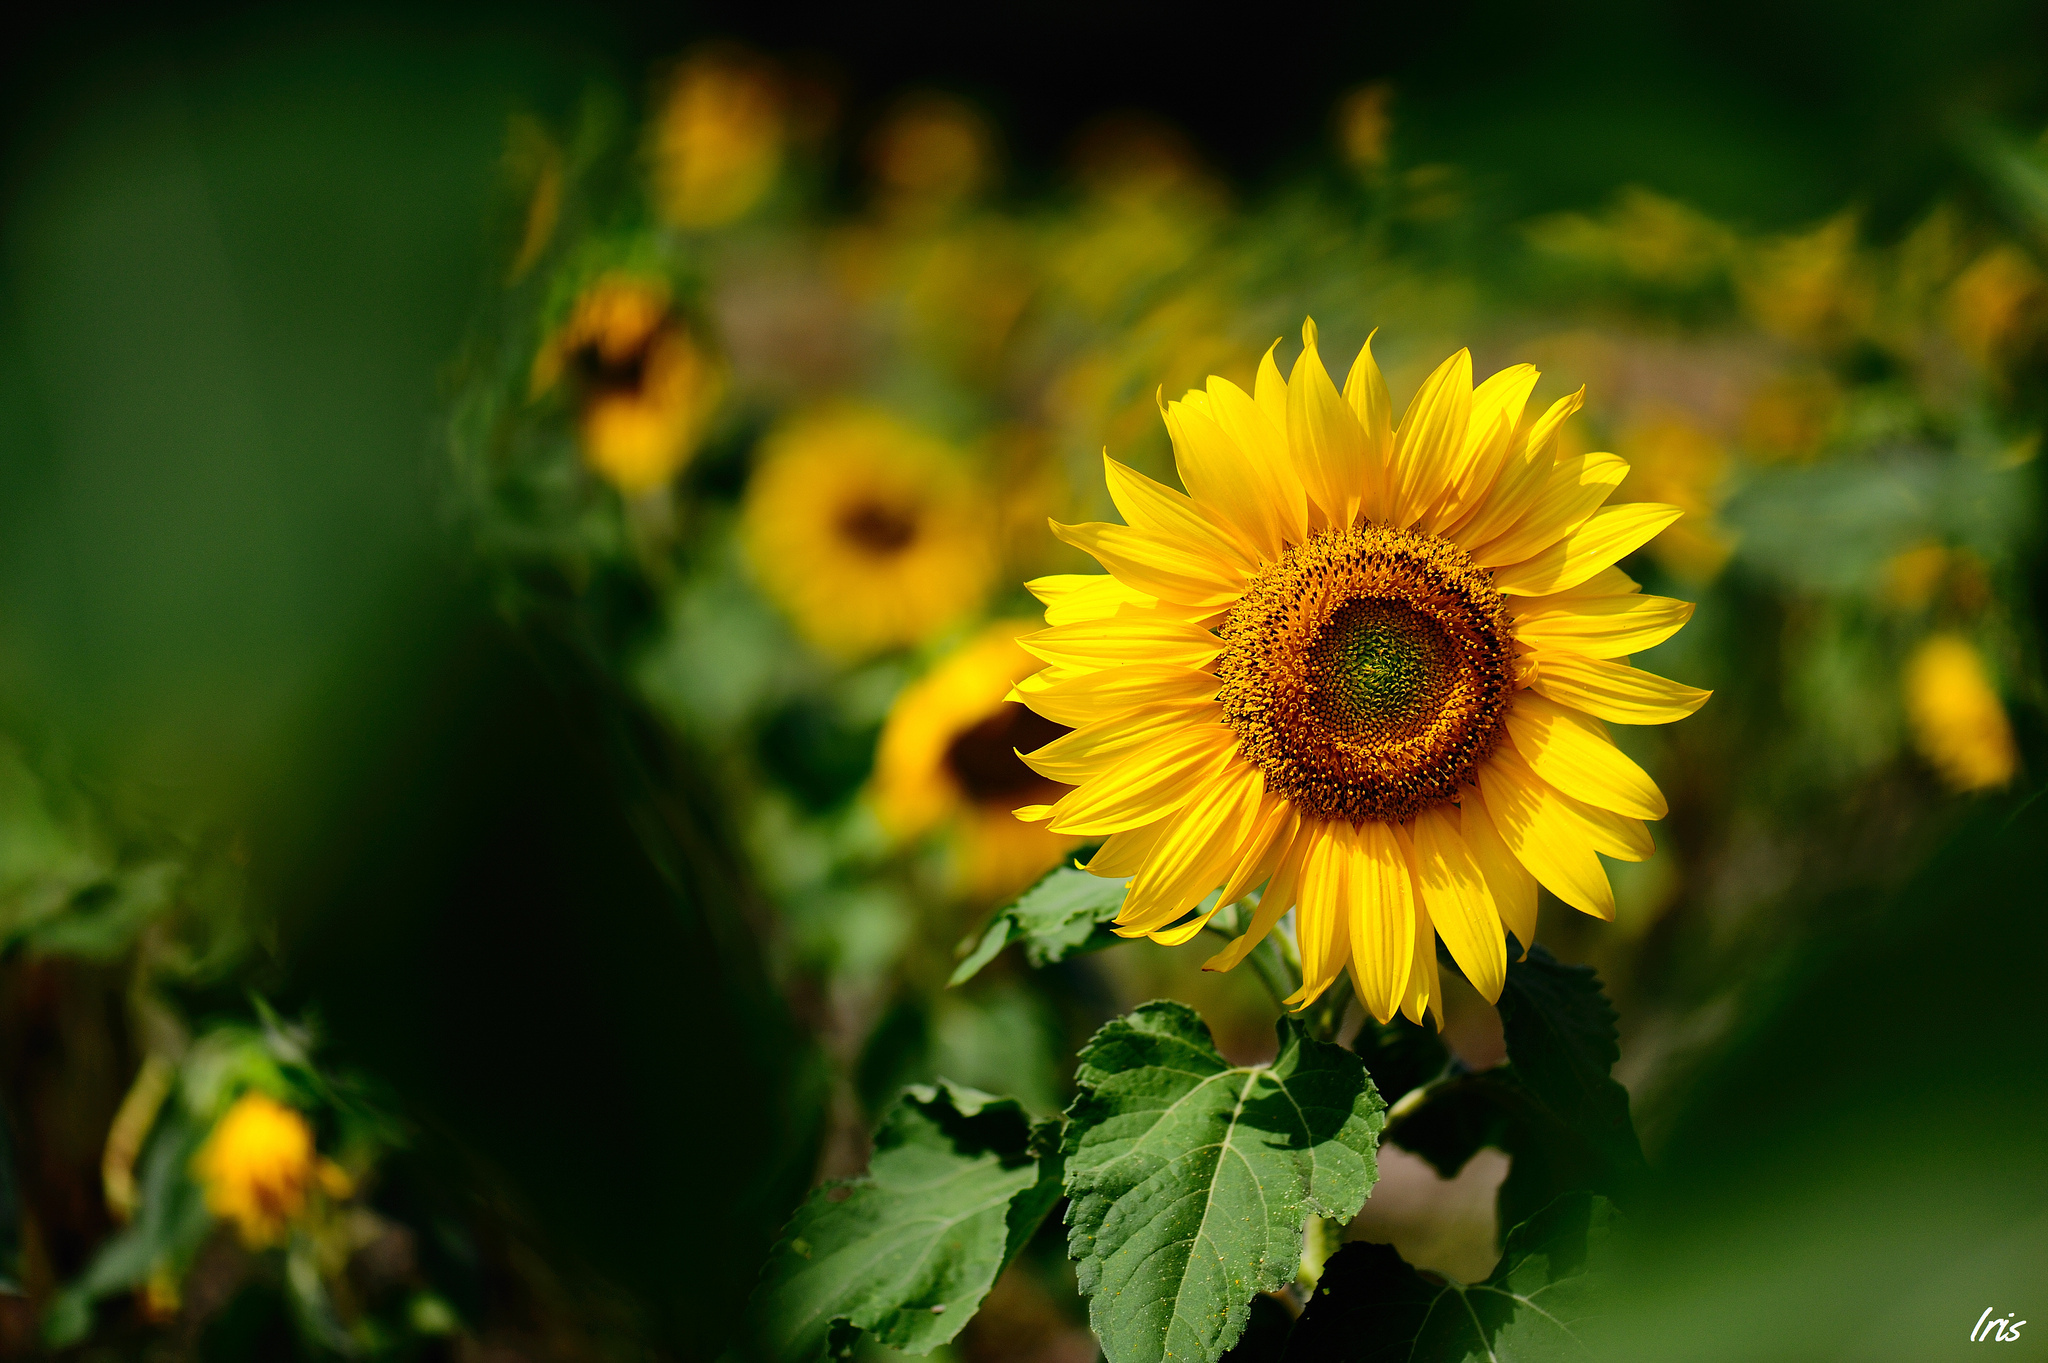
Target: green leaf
pixel 956 1187
pixel 1562 1043
pixel 1063 913
pixel 1538 1305
pixel 1190 1179
pixel 1401 1056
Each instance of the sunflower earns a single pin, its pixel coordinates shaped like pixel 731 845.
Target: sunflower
pixel 948 757
pixel 869 533
pixel 1958 722
pixel 718 140
pixel 1363 665
pixel 644 385
pixel 259 1169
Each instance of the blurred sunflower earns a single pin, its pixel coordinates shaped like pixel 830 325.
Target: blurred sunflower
pixel 1958 723
pixel 718 139
pixel 259 1169
pixel 948 757
pixel 1364 665
pixel 869 533
pixel 645 387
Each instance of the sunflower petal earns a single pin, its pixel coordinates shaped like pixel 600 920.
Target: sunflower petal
pixel 1272 830
pixel 1532 820
pixel 1270 390
pixel 1573 491
pixel 1522 474
pixel 1173 517
pixel 1207 838
pixel 1278 898
pixel 1075 756
pixel 1136 793
pixel 1324 434
pixel 1431 437
pixel 1081 700
pixel 1514 889
pixel 1264 441
pixel 1614 691
pixel 1321 920
pixel 1073 597
pixel 1612 835
pixel 1601 626
pixel 1122 854
pixel 1224 478
pixel 1572 751
pixel 1460 903
pixel 1496 414
pixel 1365 388
pixel 1112 643
pixel 1606 536
pixel 1169 570
pixel 1381 897
pixel 1424 994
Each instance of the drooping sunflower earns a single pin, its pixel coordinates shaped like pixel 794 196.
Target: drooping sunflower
pixel 645 385
pixel 948 756
pixel 1363 665
pixel 868 532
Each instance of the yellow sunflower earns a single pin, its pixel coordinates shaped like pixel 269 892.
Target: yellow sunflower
pixel 1363 665
pixel 645 387
pixel 948 757
pixel 259 1169
pixel 869 533
pixel 718 139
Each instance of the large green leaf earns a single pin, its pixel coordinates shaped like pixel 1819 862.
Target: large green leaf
pixel 1063 913
pixel 1538 1305
pixel 956 1187
pixel 1191 1178
pixel 1562 1043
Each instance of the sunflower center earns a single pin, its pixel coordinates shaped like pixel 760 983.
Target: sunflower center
pixel 983 758
pixel 877 527
pixel 1367 673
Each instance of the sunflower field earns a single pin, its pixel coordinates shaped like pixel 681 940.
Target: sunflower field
pixel 720 704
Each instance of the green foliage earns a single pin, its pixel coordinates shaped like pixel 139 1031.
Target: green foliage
pixel 1401 1056
pixel 1062 914
pixel 1553 1106
pixel 1191 1179
pixel 957 1186
pixel 1537 1305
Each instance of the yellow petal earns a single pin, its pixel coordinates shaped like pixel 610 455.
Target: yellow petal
pixel 1613 835
pixel 1121 854
pixel 1325 437
pixel 1173 517
pixel 1424 994
pixel 1572 751
pixel 1322 920
pixel 1574 491
pixel 1074 757
pixel 1204 844
pixel 1139 792
pixel 1600 626
pixel 1073 597
pixel 1165 569
pixel 1459 902
pixel 1431 438
pixel 1270 390
pixel 1607 536
pixel 1381 898
pixel 1278 898
pixel 1532 453
pixel 1082 700
pixel 1366 390
pixel 1272 831
pixel 1496 414
pixel 1545 838
pixel 1514 889
pixel 1614 691
pixel 1265 442
pixel 1225 479
pixel 1112 643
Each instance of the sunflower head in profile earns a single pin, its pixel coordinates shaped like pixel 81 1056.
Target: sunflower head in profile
pixel 1363 664
pixel 644 385
pixel 948 759
pixel 869 533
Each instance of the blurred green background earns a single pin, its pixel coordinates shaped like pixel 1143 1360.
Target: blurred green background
pixel 360 737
